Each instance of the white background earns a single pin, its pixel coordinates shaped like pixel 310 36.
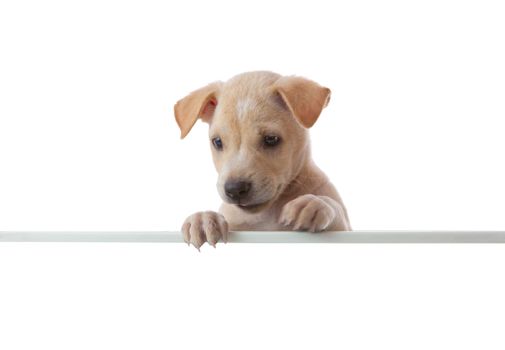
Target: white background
pixel 413 139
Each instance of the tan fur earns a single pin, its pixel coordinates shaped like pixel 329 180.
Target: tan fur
pixel 200 103
pixel 289 192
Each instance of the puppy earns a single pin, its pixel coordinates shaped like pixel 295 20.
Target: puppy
pixel 258 133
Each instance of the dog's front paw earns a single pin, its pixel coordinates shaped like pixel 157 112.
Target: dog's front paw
pixel 307 212
pixel 204 227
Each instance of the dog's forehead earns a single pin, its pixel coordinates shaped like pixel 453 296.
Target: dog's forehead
pixel 244 106
pixel 249 111
pixel 247 101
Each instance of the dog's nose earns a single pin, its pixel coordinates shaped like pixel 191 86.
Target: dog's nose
pixel 237 189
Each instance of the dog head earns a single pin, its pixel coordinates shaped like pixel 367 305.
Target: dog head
pixel 258 125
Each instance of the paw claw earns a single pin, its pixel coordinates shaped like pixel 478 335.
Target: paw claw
pixel 204 227
pixel 307 213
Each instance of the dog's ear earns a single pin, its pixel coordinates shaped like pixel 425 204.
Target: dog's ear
pixel 304 98
pixel 200 103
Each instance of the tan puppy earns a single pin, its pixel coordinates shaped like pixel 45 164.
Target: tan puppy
pixel 258 133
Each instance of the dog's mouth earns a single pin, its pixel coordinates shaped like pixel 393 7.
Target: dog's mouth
pixel 252 208
pixel 257 207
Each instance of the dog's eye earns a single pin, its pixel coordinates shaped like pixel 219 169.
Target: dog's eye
pixel 271 140
pixel 218 144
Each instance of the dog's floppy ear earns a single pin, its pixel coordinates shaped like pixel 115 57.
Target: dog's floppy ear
pixel 304 98
pixel 200 103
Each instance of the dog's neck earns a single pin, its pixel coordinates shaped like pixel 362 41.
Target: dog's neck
pixel 308 179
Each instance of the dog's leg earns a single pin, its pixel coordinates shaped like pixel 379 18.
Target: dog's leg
pixel 314 213
pixel 204 227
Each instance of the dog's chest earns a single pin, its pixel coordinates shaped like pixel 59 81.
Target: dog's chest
pixel 238 220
